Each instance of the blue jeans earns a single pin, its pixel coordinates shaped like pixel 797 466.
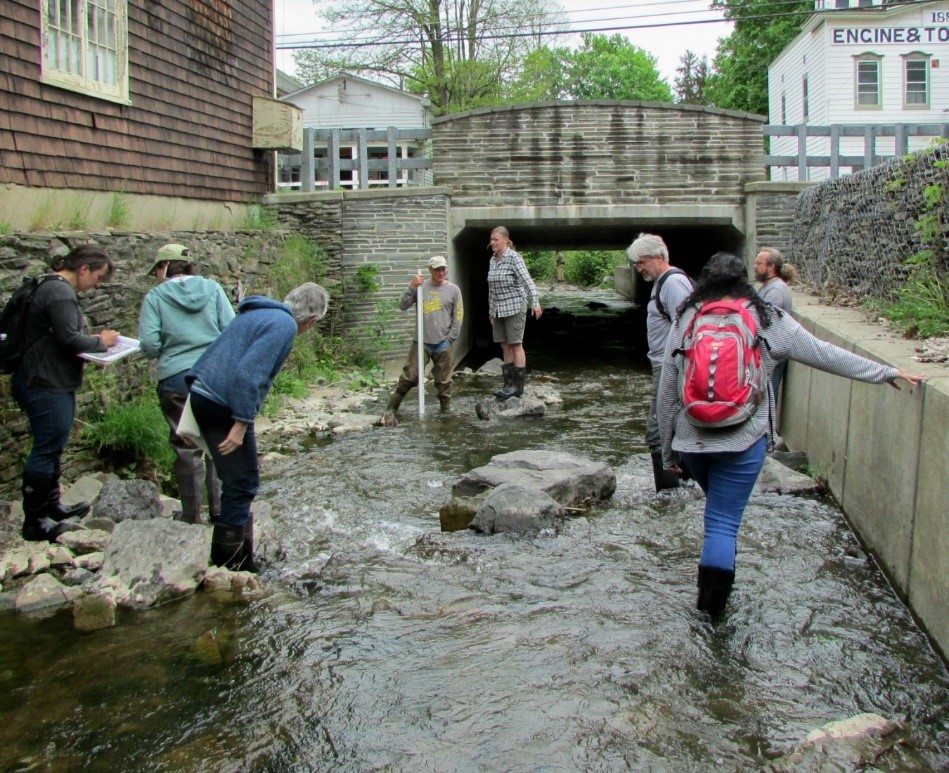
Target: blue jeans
pixel 51 416
pixel 727 478
pixel 238 471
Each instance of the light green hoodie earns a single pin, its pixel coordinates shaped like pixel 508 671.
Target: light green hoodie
pixel 180 318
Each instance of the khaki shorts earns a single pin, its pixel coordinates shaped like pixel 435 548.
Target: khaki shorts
pixel 509 330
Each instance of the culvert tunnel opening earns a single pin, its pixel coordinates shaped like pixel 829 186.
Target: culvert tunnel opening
pixel 595 322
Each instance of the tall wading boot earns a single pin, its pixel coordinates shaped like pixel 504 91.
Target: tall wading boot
pixel 665 479
pixel 37 491
pixel 507 370
pixel 56 510
pixel 715 586
pixel 392 408
pixel 444 402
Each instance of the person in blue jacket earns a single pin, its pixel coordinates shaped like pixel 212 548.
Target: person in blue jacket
pixel 180 318
pixel 228 385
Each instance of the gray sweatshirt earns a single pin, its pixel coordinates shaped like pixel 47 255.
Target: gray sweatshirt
pixel 442 311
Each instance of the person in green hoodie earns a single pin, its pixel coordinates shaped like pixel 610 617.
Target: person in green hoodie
pixel 180 318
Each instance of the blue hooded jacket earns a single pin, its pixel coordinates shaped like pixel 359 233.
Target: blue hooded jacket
pixel 239 368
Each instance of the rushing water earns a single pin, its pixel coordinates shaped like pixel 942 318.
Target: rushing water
pixel 382 644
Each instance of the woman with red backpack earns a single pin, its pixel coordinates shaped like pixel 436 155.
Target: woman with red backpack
pixel 715 403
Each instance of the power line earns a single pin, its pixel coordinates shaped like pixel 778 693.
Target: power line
pixel 542 33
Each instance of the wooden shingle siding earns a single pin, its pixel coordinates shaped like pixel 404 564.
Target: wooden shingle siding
pixel 194 66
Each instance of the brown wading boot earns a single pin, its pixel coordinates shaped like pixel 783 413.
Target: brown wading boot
pixel 444 402
pixel 388 417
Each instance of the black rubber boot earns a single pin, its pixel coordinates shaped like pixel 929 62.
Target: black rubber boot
pixel 227 546
pixel 665 479
pixel 715 586
pixel 37 492
pixel 518 377
pixel 507 389
pixel 56 510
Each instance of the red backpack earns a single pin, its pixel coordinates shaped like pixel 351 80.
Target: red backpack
pixel 723 380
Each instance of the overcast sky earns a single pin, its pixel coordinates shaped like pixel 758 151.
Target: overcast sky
pixel 665 43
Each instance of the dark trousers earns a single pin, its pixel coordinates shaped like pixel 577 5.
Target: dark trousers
pixel 51 416
pixel 238 471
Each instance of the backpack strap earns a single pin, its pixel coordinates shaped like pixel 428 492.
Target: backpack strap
pixel 659 283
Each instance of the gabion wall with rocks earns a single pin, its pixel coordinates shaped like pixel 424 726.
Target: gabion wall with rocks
pixel 855 234
pixel 239 260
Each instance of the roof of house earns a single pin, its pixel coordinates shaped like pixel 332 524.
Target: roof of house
pixel 287 84
pixel 425 101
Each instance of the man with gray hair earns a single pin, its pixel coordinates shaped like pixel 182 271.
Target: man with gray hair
pixel 649 257
pixel 774 275
pixel 228 386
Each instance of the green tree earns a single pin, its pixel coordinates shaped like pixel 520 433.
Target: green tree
pixel 541 77
pixel 762 29
pixel 612 68
pixel 457 52
pixel 691 77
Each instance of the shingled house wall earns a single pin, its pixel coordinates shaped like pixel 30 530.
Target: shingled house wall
pixel 193 68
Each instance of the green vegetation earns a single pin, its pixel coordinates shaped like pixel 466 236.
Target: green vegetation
pixel 6 229
pixel 132 438
pixel 258 218
pixel 585 268
pixel 43 215
pixel 119 215
pixel 921 308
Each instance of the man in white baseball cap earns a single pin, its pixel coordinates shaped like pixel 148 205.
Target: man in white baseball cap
pixel 442 314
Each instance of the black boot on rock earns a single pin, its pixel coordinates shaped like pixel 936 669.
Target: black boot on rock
pixel 715 586
pixel 507 390
pixel 37 492
pixel 229 547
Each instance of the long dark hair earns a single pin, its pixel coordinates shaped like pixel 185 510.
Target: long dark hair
pixel 83 255
pixel 726 275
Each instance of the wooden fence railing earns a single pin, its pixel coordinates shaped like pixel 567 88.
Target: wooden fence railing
pixel 900 132
pixel 325 173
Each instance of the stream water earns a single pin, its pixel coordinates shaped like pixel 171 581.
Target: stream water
pixel 382 644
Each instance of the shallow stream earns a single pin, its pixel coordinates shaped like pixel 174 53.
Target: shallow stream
pixel 382 644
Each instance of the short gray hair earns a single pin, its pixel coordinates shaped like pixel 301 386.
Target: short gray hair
pixel 647 246
pixel 307 301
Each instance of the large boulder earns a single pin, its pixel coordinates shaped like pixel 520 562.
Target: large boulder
pixel 524 492
pixel 515 509
pixel 149 562
pixel 571 480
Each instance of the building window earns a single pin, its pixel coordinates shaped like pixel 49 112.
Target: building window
pixel 868 94
pixel 784 110
pixel 804 98
pixel 842 4
pixel 85 46
pixel 916 81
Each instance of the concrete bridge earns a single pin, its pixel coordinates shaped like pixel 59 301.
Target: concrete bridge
pixel 559 175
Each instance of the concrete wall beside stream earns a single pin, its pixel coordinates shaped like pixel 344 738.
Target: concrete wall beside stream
pixel 883 452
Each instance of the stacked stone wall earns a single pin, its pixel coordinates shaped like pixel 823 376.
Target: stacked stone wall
pixel 856 233
pixel 597 152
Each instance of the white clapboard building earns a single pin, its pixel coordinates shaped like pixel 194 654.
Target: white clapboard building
pixel 347 102
pixel 861 63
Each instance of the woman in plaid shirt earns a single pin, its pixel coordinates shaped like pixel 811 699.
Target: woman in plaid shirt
pixel 509 284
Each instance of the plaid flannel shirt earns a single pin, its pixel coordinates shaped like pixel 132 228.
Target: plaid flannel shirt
pixel 509 283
